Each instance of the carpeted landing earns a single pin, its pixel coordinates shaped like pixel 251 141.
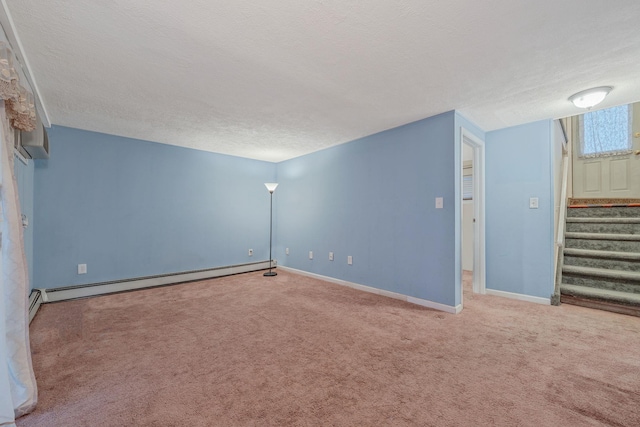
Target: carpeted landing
pixel 289 350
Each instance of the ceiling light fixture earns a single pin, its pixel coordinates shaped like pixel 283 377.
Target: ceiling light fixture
pixel 590 97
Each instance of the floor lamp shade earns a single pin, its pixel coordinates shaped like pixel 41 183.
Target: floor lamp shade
pixel 271 187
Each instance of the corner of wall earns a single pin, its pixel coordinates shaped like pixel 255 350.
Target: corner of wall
pixel 373 199
pixel 519 240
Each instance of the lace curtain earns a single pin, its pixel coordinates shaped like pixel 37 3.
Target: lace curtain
pixel 19 102
pixel 606 132
pixel 18 389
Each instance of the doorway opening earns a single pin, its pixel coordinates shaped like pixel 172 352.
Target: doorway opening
pixel 472 214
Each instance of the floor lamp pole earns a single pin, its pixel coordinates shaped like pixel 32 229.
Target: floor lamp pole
pixel 270 273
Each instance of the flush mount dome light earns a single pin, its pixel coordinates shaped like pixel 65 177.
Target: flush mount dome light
pixel 590 97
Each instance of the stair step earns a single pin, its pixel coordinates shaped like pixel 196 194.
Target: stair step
pixel 619 302
pixel 603 212
pixel 628 256
pixel 604 227
pixel 603 241
pixel 606 263
pixel 628 261
pixel 604 294
pixel 602 272
pixel 600 202
pixel 604 220
pixel 603 236
pixel 602 278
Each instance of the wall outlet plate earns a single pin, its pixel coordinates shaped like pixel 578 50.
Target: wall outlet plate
pixel 82 268
pixel 330 256
pixel 250 252
pixel 286 251
pixel 533 203
pixel 350 260
pixel 310 254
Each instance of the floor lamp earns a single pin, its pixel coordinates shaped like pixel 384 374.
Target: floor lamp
pixel 271 187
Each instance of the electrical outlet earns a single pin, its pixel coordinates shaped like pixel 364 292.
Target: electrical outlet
pixel 350 260
pixel 310 254
pixel 82 268
pixel 439 202
pixel 286 251
pixel 250 252
pixel 533 203
pixel 330 256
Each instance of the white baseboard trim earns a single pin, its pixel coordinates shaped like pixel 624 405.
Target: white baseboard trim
pixel 521 297
pixel 423 302
pixel 83 291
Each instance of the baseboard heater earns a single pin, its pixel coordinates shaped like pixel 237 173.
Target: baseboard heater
pixel 35 299
pixel 94 289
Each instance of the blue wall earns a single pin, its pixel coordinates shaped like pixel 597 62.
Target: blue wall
pixel 374 199
pixel 519 240
pixel 130 208
pixel 24 179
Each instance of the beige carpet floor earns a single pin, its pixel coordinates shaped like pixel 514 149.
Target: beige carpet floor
pixel 290 350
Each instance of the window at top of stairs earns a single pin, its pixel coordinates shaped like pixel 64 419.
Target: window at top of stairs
pixel 606 132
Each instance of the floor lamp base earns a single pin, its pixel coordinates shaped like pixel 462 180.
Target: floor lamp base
pixel 270 273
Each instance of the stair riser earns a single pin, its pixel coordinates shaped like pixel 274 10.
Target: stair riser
pixel 626 212
pixel 630 310
pixel 610 264
pixel 602 283
pixel 604 245
pixel 603 228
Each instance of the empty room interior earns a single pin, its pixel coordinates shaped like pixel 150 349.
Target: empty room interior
pixel 320 213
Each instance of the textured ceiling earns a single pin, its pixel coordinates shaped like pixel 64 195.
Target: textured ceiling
pixel 273 80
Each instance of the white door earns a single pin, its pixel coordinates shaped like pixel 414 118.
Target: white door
pixel 615 176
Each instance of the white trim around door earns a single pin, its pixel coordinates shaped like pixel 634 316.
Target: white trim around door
pixel 479 262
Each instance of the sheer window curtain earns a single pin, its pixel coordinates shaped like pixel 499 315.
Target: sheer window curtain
pixel 18 391
pixel 605 133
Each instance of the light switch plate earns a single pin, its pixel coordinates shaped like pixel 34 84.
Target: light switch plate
pixel 533 203
pixel 82 268
pixel 439 202
pixel 350 260
pixel 310 254
pixel 330 256
pixel 286 251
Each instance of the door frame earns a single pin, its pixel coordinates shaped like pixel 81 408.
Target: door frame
pixel 479 259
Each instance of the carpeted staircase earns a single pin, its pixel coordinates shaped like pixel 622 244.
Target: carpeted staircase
pixel 602 257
